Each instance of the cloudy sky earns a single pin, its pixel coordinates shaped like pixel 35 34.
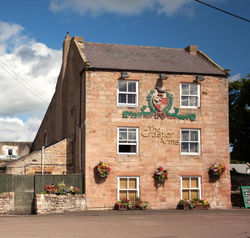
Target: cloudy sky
pixel 32 32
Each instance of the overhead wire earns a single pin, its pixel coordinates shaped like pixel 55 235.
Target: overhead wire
pixel 22 81
pixel 221 10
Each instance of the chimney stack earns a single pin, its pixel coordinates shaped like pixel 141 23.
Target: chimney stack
pixel 192 49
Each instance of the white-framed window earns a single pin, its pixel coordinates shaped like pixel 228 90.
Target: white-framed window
pixel 127 93
pixel 190 95
pixel 128 187
pixel 190 141
pixel 190 187
pixel 10 151
pixel 127 140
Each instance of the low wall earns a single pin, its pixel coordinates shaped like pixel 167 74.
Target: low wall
pixel 51 203
pixel 7 203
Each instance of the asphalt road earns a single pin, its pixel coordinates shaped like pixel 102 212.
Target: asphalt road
pixel 233 223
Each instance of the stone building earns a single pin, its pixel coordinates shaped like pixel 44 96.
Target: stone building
pixel 12 151
pixel 139 108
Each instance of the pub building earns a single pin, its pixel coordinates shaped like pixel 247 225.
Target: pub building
pixel 139 108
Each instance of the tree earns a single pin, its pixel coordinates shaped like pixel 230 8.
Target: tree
pixel 239 119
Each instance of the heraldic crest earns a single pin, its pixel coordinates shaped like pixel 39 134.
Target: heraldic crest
pixel 160 103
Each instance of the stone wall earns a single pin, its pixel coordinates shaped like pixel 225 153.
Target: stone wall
pixel 51 203
pixel 103 117
pixel 7 203
pixel 57 160
pixel 18 149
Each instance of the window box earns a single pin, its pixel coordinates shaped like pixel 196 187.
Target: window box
pixel 194 204
pixel 120 207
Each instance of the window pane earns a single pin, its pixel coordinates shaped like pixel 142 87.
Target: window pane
pixel 184 101
pixel 122 136
pixel 132 194
pixel 193 101
pixel 185 136
pixel 122 98
pixel 185 89
pixel 122 86
pixel 184 147
pixel 127 148
pixel 193 135
pixel 131 98
pixel 132 135
pixel 123 183
pixel 185 195
pixel 185 182
pixel 131 87
pixel 132 183
pixel 123 195
pixel 194 182
pixel 194 147
pixel 193 89
pixel 194 194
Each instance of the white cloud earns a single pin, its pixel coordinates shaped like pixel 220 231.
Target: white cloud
pixel 234 77
pixel 14 129
pixel 117 6
pixel 131 7
pixel 28 74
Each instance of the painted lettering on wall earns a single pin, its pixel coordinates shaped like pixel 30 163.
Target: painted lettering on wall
pixel 160 103
pixel 163 136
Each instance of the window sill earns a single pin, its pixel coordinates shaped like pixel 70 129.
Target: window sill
pixel 182 107
pixel 127 106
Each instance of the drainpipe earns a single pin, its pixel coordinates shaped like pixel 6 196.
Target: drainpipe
pixel 80 125
pixel 43 159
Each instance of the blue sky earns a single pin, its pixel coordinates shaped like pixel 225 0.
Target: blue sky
pixel 32 32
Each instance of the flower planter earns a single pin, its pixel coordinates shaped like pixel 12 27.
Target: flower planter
pixel 200 208
pixel 194 204
pixel 120 207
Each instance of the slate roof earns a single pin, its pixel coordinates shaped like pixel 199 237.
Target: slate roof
pixel 240 168
pixel 150 59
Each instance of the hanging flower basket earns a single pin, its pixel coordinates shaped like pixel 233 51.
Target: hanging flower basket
pixel 216 170
pixel 161 174
pixel 102 169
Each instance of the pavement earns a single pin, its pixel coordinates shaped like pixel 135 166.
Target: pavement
pixel 231 223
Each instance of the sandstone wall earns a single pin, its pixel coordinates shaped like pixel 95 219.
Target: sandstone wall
pixel 103 116
pixel 57 160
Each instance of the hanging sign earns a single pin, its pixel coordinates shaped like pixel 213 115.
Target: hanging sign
pixel 160 103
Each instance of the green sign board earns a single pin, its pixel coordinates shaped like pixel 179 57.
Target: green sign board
pixel 246 195
pixel 159 106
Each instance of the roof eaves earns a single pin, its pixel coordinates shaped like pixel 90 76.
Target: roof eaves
pixel 153 71
pixel 208 59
